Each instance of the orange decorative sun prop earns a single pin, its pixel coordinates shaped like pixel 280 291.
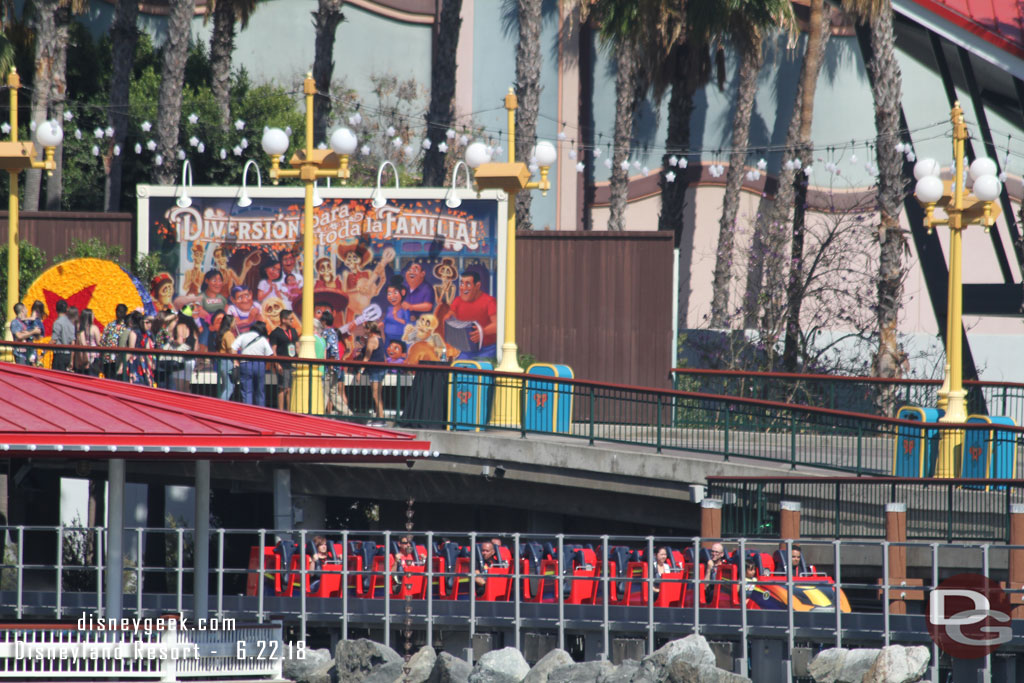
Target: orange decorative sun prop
pixel 88 283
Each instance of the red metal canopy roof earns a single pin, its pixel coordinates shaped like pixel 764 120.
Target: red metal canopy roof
pixel 998 22
pixel 45 413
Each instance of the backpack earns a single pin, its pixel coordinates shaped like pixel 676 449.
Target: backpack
pixel 111 338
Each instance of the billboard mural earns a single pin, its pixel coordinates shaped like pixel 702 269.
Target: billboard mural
pixel 426 273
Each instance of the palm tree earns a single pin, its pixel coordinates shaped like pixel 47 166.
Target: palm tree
pixel 886 88
pixel 816 37
pixel 8 24
pixel 58 93
pixel 631 85
pixel 51 25
pixel 325 24
pixel 528 93
pixel 441 112
pixel 44 26
pixel 124 35
pixel 226 13
pixel 747 22
pixel 172 76
pixel 642 57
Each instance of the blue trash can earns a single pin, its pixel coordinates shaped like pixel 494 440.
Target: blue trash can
pixel 548 406
pixel 469 396
pixel 989 454
pixel 916 449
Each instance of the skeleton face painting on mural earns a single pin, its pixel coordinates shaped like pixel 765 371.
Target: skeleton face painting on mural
pixel 272 307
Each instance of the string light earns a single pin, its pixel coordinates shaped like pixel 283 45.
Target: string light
pixel 415 125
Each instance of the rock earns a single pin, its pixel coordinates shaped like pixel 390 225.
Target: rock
pixel 555 659
pixel 839 665
pixel 693 648
pixel 624 673
pixel 584 672
pixel 421 665
pixel 386 673
pixel 500 666
pixel 898 664
pixel 355 659
pixel 450 669
pixel 314 668
pixel 681 670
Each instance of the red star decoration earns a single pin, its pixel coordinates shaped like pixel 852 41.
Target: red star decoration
pixel 79 300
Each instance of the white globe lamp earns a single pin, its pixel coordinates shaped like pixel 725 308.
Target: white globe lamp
pixel 477 154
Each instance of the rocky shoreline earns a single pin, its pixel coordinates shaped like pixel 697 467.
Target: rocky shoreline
pixel 686 660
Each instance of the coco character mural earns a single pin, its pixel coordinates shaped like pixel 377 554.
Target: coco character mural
pixel 402 262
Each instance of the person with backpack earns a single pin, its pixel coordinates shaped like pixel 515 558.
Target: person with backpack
pixel 140 367
pixel 252 373
pixel 115 334
pixel 87 362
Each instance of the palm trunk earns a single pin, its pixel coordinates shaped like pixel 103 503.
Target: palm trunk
pixel 44 25
pixel 887 92
pixel 528 93
pixel 326 19
pixel 124 34
pixel 172 76
pixel 754 291
pixel 222 45
pixel 586 112
pixel 750 66
pixel 58 95
pixel 816 38
pixel 441 112
pixel 686 78
pixel 685 81
pixel 627 72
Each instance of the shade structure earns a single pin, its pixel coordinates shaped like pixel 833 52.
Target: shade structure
pixel 46 413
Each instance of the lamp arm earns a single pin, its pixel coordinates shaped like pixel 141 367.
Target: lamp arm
pixel 455 175
pixel 245 173
pixel 380 173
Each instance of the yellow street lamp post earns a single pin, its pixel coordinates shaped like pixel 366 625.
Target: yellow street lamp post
pixel 512 177
pixel 932 192
pixel 16 156
pixel 308 165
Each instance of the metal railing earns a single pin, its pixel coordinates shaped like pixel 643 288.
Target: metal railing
pixel 869 395
pixel 443 397
pixel 937 509
pixel 561 598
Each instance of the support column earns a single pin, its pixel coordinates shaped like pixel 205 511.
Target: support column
pixel 201 552
pixel 283 503
pixel 789 520
pixel 1016 575
pixel 310 512
pixel 896 532
pixel 710 519
pixel 115 537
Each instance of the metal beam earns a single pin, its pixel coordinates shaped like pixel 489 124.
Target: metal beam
pixel 201 553
pixel 993 299
pixel 1004 197
pixel 952 98
pixel 115 537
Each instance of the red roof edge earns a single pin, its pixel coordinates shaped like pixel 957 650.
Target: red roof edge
pixel 973 26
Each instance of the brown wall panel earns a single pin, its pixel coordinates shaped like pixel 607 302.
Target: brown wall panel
pixel 54 231
pixel 599 302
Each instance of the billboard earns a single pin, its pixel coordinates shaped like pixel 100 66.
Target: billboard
pixel 426 273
